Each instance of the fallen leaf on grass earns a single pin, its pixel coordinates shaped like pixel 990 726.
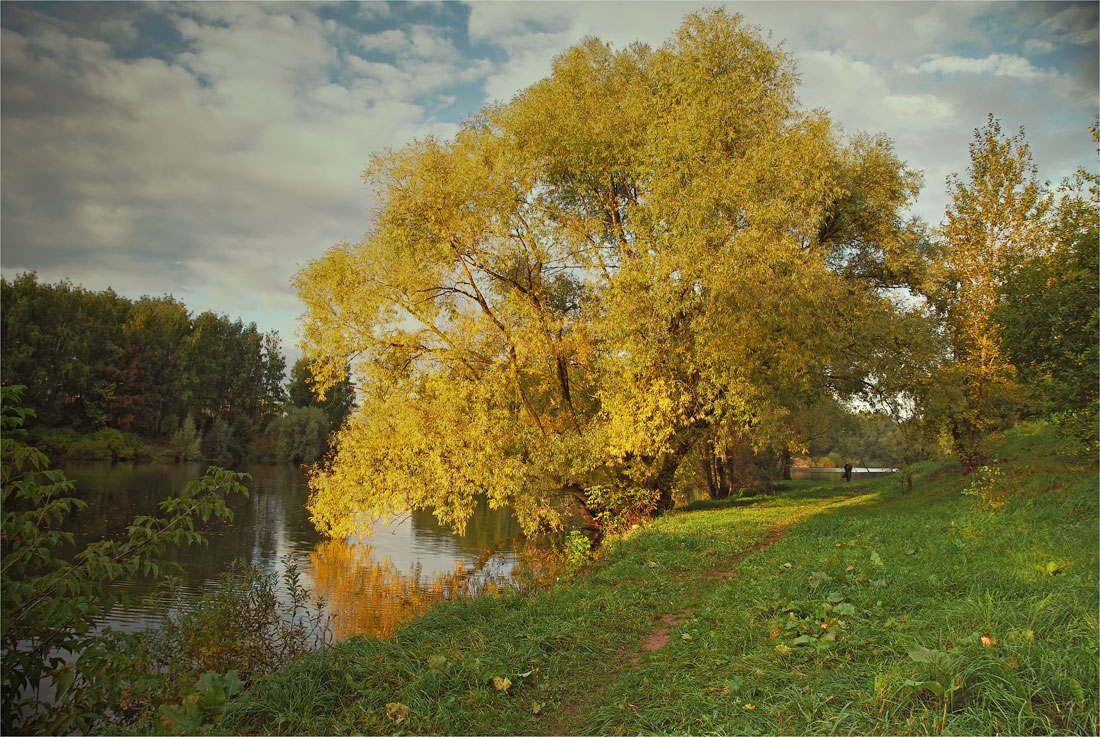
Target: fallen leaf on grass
pixel 396 711
pixel 749 707
pixel 502 684
pixel 988 641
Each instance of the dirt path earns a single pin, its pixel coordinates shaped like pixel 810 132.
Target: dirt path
pixel 572 716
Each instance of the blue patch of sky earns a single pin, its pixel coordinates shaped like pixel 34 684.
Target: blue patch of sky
pixel 157 37
pixel 449 20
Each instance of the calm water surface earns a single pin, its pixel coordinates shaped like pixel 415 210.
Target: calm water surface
pixel 368 584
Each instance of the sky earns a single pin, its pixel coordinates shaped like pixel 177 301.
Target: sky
pixel 210 150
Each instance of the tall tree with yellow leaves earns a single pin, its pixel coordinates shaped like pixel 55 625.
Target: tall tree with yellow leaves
pixel 645 251
pixel 995 222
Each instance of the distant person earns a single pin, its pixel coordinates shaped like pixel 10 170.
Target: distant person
pixel 847 470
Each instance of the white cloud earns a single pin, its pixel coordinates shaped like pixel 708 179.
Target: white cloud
pixel 1076 24
pixel 211 175
pixel 214 171
pixel 1001 65
pixel 1038 46
pixel 392 41
pixel 861 96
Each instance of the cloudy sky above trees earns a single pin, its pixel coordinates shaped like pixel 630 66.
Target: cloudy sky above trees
pixel 207 150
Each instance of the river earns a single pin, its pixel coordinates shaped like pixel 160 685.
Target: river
pixel 369 584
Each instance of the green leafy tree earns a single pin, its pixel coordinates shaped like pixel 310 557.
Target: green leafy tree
pixel 303 435
pixel 187 441
pixel 645 251
pixel 1049 318
pixel 95 360
pixel 65 344
pixel 159 329
pixel 234 372
pixel 219 444
pixel 51 603
pixel 995 221
pixel 273 375
pixel 338 401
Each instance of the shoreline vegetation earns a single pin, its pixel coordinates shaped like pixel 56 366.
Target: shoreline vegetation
pixel 652 270
pixel 966 606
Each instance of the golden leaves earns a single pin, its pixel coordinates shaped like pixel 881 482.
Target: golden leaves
pixel 396 711
pixel 590 278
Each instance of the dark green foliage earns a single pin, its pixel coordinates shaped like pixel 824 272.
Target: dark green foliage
pixel 94 360
pixel 159 328
pixel 338 401
pixel 187 441
pixel 1050 319
pixel 202 707
pixel 105 444
pixel 303 435
pixel 51 603
pixel 218 444
pixel 66 345
pixel 233 371
pixel 241 625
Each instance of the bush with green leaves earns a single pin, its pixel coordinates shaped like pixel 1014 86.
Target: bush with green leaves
pixel 219 445
pixel 61 673
pixel 578 548
pixel 203 706
pixel 187 441
pixel 303 435
pixel 240 625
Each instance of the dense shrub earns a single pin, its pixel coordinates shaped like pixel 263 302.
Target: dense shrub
pixel 242 624
pixel 303 435
pixel 52 603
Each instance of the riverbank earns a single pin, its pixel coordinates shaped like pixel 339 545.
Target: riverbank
pixel 106 444
pixel 968 606
pixel 64 444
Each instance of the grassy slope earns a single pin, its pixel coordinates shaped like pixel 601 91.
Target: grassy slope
pixel 854 620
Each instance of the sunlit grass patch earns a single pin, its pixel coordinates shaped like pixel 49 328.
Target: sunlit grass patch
pixel 876 611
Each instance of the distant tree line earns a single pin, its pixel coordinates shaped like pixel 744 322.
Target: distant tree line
pixel 211 386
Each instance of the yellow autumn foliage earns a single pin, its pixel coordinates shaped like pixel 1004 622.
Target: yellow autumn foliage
pixel 647 251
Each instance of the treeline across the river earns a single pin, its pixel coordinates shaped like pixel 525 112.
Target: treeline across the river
pixel 115 378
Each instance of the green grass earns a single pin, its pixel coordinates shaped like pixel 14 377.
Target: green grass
pixel 866 615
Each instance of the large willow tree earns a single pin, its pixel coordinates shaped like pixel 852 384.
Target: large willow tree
pixel 644 252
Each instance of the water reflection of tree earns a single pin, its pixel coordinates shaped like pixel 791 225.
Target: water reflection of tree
pixel 369 597
pixel 487 528
pixel 372 598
